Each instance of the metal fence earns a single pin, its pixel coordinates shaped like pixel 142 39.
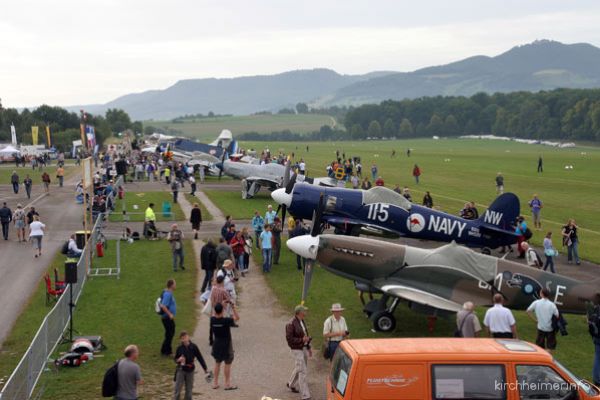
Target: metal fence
pixel 21 383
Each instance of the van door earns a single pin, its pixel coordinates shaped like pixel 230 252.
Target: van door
pixel 468 381
pixel 388 380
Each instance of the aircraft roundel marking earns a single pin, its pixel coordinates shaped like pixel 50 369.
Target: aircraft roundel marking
pixel 415 223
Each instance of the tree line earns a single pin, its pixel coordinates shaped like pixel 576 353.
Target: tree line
pixel 64 125
pixel 563 114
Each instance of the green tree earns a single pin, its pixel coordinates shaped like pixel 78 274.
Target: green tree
pixel 117 120
pixel 405 129
pixel 137 127
pixel 436 125
pixel 451 127
pixel 374 130
pixel 357 132
pixel 302 108
pixel 389 128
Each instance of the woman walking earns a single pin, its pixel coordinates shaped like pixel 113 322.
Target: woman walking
pixel 46 180
pixel 549 252
pixel 196 219
pixel 36 234
pixel 19 220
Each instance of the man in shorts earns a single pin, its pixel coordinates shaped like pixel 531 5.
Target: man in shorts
pixel 222 346
pixel 542 311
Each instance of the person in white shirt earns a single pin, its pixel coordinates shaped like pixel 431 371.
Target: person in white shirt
pixel 302 167
pixel 229 283
pixel 530 255
pixel 335 329
pixel 72 249
pixel 499 320
pixel 542 311
pixel 36 234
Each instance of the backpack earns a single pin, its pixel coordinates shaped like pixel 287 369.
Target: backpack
pixel 527 234
pixel 65 248
pixel 594 322
pixel 110 383
pixel 157 304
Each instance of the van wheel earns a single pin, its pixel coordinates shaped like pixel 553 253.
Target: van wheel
pixel 383 321
pixel 487 251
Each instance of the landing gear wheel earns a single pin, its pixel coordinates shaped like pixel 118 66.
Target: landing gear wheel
pixel 383 321
pixel 487 251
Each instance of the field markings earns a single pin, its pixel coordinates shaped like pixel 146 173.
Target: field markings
pixel 544 219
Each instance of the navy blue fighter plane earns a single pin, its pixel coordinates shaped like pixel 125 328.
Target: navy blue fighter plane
pixel 382 212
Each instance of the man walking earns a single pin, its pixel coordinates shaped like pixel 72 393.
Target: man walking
pixel 540 165
pixel 60 175
pixel 499 320
pixel 208 262
pixel 266 245
pixel 175 238
pixel 298 340
pixel 185 356
pixel 129 374
pixel 14 179
pixel 28 183
pixel 150 220
pixel 5 219
pixel 169 310
pixel 257 225
pixel 536 206
pixel 175 189
pixel 542 311
pixel 467 322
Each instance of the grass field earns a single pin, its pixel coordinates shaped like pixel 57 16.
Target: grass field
pixel 206 216
pixel 231 203
pixel 208 129
pixel 136 203
pixel 6 171
pixel 575 350
pixel 456 170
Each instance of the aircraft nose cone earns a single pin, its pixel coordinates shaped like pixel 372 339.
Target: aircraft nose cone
pixel 281 197
pixel 305 246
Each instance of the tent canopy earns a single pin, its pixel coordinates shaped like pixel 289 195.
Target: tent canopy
pixel 9 150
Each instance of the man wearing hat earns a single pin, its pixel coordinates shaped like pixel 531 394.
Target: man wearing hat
pixel 335 329
pixel 296 334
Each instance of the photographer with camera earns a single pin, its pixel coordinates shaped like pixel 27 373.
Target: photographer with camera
pixel 298 339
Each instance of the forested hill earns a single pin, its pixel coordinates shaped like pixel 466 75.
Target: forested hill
pixel 566 114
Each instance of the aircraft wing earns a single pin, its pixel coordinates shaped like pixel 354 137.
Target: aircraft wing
pixel 421 297
pixel 263 181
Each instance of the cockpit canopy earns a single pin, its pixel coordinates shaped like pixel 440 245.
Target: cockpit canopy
pixel 380 194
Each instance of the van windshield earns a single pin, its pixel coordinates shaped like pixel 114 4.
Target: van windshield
pixel 584 385
pixel 340 371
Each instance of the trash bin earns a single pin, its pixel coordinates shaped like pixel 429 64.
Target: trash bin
pixel 80 238
pixel 166 209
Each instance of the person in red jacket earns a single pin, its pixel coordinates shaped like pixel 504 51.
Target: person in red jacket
pixel 416 173
pixel 379 182
pixel 237 246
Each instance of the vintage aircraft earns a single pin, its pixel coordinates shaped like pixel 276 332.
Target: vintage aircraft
pixel 436 281
pixel 382 212
pixel 270 175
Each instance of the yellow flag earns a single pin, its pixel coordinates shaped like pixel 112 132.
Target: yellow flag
pixel 48 142
pixel 34 135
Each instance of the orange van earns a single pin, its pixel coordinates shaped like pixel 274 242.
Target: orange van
pixel 453 368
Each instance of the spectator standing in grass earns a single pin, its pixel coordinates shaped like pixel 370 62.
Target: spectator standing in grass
pixel 335 329
pixel 549 252
pixel 168 307
pixel 46 181
pixel 175 189
pixel 366 184
pixel 257 225
pixel 540 167
pixel 60 175
pixel 175 238
pixel 428 200
pixel 196 219
pixel 270 215
pixel 36 234
pixel 374 171
pixel 542 311
pixel 379 182
pixel 14 180
pixel 19 219
pixel 222 344
pixel 185 356
pixel 266 246
pixel 571 240
pixel 536 205
pixel 28 183
pixel 416 172
pixel 467 322
pixel 6 216
pixel 208 262
pixel 150 222
pixel 499 320
pixel 277 229
pixel 499 183
pixel 129 374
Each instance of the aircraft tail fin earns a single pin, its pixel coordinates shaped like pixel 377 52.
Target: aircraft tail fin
pixel 503 212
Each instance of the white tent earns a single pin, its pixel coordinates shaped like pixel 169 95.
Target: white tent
pixel 9 150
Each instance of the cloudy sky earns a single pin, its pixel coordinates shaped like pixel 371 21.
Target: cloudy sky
pixel 68 52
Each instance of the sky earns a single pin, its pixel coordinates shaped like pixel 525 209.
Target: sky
pixel 67 52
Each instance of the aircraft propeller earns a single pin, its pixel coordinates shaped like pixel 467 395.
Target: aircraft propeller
pixel 309 264
pixel 285 184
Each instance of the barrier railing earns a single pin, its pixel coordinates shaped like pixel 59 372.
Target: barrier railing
pixel 21 383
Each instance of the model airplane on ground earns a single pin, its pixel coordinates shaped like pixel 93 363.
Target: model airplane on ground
pixel 272 176
pixel 382 212
pixel 436 281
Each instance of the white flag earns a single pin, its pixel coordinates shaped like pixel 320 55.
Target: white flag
pixel 13 134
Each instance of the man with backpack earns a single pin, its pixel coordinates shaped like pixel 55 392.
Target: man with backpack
pixel 168 310
pixel 542 311
pixel 128 376
pixel 175 238
pixel 531 256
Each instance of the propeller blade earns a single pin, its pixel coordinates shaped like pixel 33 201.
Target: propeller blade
pixel 317 216
pixel 286 174
pixel 308 272
pixel 290 185
pixel 283 211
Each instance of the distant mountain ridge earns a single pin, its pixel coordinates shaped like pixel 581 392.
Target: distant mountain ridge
pixel 541 65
